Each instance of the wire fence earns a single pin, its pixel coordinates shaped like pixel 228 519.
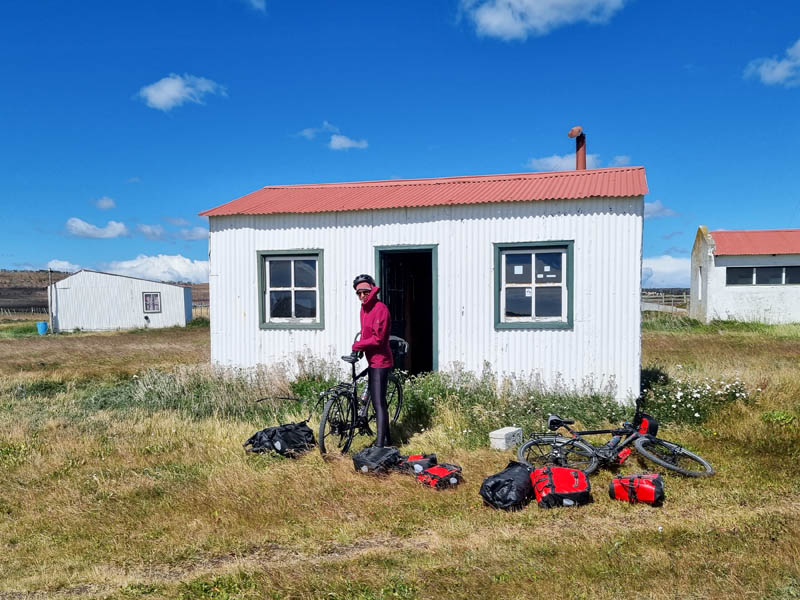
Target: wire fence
pixel 200 310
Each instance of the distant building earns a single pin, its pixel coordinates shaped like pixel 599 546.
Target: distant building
pixel 94 301
pixel 746 276
pixel 536 274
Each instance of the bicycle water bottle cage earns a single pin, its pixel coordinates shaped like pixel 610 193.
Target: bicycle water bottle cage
pixel 554 422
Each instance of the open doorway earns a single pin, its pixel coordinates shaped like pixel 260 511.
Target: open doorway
pixel 407 279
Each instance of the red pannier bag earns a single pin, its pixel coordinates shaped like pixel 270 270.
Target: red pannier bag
pixel 441 476
pixel 560 486
pixel 416 463
pixel 643 487
pixel 646 424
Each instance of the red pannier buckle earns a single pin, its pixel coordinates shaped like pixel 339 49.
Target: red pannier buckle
pixel 643 487
pixel 560 486
pixel 441 476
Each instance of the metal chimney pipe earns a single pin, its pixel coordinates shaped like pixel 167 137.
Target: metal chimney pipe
pixel 580 147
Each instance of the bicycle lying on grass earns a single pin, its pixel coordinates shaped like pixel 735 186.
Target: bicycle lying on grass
pixel 574 451
pixel 348 407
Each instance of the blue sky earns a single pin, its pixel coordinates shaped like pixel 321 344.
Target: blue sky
pixel 120 121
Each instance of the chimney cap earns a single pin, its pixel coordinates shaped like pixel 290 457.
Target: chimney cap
pixel 575 131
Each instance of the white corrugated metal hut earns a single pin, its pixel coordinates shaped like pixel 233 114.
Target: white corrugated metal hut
pixel 746 275
pixel 537 274
pixel 94 301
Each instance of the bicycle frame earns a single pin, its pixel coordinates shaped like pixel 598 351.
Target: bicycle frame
pixel 627 436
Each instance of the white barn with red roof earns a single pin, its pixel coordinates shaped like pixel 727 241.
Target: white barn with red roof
pixel 746 276
pixel 536 274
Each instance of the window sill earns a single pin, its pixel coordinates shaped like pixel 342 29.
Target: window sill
pixel 534 325
pixel 289 325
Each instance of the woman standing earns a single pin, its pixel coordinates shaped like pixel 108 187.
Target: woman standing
pixel 376 325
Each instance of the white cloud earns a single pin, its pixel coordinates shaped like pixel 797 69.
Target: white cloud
pixel 665 271
pixel 564 162
pixel 80 228
pixel 259 5
pixel 178 221
pixel 105 203
pixel 311 132
pixel 62 265
pixel 774 71
pixel 175 90
pixel 134 180
pixel 342 142
pixel 516 19
pixel 656 210
pixel 195 233
pixel 162 267
pixel 152 232
pixel 621 160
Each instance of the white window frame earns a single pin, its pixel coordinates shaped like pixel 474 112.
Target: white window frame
pixel 754 281
pixel 269 322
pixel 157 296
pixel 535 285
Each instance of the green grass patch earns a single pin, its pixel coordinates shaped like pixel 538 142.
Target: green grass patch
pixel 18 330
pixel 672 322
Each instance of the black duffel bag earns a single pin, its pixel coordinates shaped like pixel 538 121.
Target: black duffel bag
pixel 291 439
pixel 510 489
pixel 376 460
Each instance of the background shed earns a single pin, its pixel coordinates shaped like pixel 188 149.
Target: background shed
pixel 94 301
pixel 746 275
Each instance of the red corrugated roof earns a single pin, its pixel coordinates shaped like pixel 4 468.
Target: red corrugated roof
pixel 769 241
pixel 402 193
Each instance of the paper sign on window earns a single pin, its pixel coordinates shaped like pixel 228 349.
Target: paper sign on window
pixel 528 292
pixel 517 269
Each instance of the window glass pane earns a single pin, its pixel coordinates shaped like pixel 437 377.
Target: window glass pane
pixel 280 273
pixel 548 267
pixel 548 301
pixel 518 268
pixel 518 301
pixel 739 275
pixel 305 304
pixel 792 274
pixel 769 275
pixel 280 304
pixel 305 273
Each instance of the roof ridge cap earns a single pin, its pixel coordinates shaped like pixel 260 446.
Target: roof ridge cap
pixel 451 179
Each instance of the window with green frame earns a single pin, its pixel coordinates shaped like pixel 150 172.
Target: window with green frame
pixel 533 285
pixel 290 290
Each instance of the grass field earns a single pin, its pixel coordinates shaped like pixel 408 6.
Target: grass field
pixel 124 477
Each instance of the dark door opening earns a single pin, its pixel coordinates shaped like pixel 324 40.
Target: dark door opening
pixel 407 289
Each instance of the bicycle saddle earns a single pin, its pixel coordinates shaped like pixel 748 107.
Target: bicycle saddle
pixel 350 358
pixel 554 422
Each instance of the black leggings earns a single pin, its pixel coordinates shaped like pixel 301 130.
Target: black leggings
pixel 378 379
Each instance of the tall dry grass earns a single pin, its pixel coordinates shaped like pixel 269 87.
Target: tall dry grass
pixel 123 487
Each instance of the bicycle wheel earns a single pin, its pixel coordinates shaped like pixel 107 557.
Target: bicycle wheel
pixel 337 424
pixel 673 457
pixel 555 450
pixel 394 398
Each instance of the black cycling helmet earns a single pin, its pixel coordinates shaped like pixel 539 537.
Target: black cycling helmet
pixel 362 278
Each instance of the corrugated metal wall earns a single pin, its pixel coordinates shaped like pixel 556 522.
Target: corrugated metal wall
pixel 99 301
pixel 603 347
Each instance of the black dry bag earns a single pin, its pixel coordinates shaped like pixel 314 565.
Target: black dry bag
pixel 376 460
pixel 510 489
pixel 291 439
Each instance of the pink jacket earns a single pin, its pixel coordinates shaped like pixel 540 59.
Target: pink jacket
pixel 376 325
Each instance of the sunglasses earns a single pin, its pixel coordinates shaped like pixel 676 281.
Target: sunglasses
pixel 362 292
